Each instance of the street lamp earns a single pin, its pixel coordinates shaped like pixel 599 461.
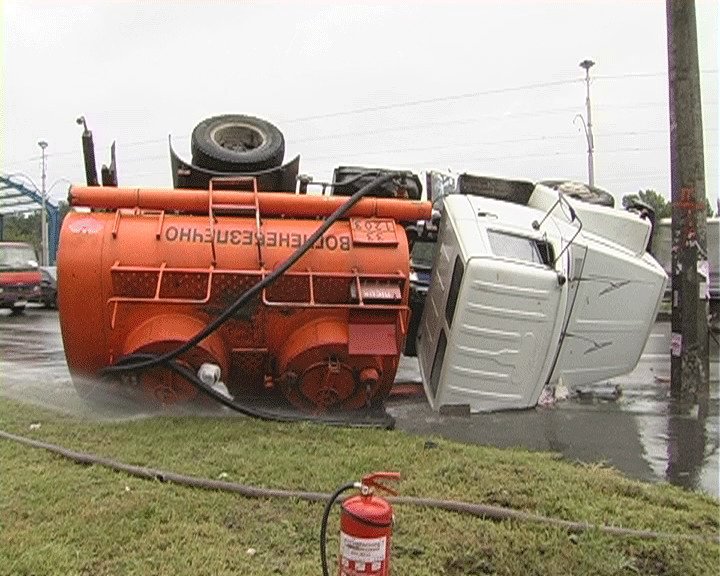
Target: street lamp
pixel 43 223
pixel 587 64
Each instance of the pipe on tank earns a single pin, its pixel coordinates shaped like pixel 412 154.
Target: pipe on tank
pixel 88 147
pixel 271 203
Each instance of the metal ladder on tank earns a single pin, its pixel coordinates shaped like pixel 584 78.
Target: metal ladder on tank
pixel 215 209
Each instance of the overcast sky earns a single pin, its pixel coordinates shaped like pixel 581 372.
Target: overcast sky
pixel 487 87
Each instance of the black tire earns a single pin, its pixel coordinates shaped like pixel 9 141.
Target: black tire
pixel 236 143
pixel 580 191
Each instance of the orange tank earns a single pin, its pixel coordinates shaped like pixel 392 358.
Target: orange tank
pixel 137 278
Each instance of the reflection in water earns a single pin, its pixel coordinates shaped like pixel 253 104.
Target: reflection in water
pixel 680 441
pixel 553 435
pixel 688 444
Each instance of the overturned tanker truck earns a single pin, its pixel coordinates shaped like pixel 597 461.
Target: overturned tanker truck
pixel 237 284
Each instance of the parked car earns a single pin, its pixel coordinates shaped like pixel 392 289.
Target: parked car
pixel 19 275
pixel 48 287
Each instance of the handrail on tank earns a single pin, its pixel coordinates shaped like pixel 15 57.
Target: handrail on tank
pixel 271 203
pixel 135 212
pixel 356 277
pixel 157 298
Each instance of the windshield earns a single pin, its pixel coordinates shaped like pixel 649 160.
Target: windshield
pixel 17 257
pixel 517 247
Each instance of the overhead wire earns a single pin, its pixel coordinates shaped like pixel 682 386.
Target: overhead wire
pixel 643 75
pixel 470 95
pixel 515 156
pixel 399 128
pixel 434 100
pixel 410 103
pixel 133 159
pixel 428 125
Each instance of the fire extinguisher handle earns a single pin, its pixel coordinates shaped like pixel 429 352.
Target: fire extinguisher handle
pixel 371 481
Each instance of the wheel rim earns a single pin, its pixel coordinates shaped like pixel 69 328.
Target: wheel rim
pixel 237 137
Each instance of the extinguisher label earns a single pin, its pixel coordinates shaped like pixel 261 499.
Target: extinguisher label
pixel 363 550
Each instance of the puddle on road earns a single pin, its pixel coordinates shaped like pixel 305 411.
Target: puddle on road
pixel 33 370
pixel 642 432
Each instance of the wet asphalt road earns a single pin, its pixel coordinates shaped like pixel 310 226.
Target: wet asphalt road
pixel 641 432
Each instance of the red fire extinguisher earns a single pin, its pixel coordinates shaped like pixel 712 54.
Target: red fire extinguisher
pixel 365 528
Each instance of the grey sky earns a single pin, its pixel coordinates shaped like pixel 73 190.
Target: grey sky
pixel 502 80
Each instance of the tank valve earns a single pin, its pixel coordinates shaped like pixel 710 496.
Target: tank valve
pixel 210 375
pixel 369 377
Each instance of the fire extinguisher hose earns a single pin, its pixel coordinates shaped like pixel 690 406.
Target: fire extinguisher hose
pixel 323 526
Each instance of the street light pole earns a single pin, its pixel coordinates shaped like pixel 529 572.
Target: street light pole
pixel 43 222
pixel 587 64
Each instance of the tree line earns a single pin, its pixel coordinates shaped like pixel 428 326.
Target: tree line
pixel 661 207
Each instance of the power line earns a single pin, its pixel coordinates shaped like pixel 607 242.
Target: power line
pixel 448 98
pixel 399 105
pixel 129 144
pixel 464 121
pixel 436 124
pixel 505 157
pixel 636 177
pixel 433 100
pixel 135 159
pixel 402 128
pixel 525 156
pixel 644 75
pixel 475 95
pixel 428 125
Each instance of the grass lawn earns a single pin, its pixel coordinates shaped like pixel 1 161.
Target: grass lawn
pixel 57 517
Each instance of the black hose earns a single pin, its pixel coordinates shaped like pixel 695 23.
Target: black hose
pixel 139 361
pixel 353 419
pixel 323 524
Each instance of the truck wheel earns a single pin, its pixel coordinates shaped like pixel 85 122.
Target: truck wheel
pixel 580 191
pixel 235 143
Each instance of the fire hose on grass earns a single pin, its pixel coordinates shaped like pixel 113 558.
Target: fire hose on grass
pixel 484 511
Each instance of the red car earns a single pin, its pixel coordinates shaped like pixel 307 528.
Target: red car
pixel 19 275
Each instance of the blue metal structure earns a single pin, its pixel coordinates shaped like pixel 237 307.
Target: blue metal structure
pixel 17 198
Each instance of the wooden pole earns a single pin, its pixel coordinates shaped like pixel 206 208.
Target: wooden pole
pixel 690 354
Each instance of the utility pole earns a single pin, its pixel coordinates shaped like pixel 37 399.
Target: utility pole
pixel 587 64
pixel 689 354
pixel 43 222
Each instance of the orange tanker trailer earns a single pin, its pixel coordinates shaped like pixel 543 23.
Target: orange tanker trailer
pixel 265 292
